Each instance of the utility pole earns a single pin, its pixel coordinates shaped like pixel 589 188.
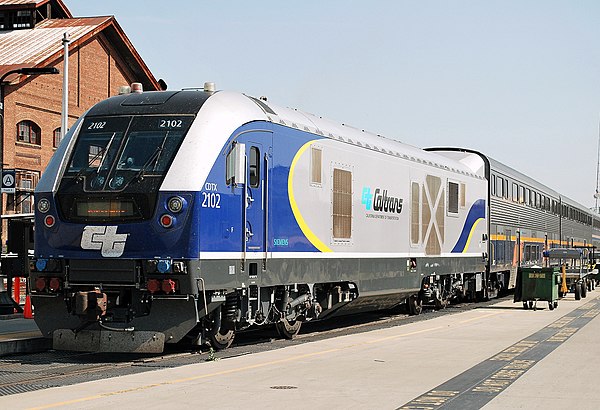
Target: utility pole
pixel 64 126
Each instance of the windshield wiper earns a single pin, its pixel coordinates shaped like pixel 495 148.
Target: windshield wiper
pixel 78 176
pixel 153 159
pixel 105 150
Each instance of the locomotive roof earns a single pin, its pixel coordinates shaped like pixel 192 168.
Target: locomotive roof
pixel 244 109
pixel 342 132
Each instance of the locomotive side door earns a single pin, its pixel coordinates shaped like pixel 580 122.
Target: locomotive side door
pixel 256 200
pixel 255 203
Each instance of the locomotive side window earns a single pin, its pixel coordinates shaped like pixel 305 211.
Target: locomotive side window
pixel 452 198
pixel 342 204
pixel 254 167
pixel 316 160
pixel 463 195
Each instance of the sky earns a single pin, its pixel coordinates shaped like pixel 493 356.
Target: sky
pixel 518 80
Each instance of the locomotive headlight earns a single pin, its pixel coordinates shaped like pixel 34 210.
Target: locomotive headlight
pixel 175 204
pixel 43 205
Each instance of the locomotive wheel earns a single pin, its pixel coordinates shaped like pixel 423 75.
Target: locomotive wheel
pixel 220 332
pixel 441 302
pixel 415 305
pixel 221 338
pixel 287 329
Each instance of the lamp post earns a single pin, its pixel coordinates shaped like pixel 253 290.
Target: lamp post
pixel 23 71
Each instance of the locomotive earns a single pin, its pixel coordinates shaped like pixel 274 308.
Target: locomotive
pixel 186 216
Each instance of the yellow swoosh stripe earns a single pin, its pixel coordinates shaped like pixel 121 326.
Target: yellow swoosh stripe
pixel 471 235
pixel 317 243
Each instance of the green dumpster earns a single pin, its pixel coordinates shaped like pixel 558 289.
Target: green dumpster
pixel 539 284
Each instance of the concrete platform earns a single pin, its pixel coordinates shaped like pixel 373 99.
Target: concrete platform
pixel 19 335
pixel 497 357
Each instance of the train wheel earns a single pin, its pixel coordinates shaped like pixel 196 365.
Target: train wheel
pixel 220 333
pixel 287 329
pixel 221 338
pixel 441 302
pixel 415 305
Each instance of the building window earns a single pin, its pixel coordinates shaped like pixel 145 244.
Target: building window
pixel 29 132
pixel 22 201
pixel 342 204
pixel 16 19
pixel 56 137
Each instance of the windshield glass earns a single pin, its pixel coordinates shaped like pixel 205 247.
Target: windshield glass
pixel 97 144
pixel 114 152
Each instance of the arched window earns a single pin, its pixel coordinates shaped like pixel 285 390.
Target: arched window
pixel 28 131
pixel 57 136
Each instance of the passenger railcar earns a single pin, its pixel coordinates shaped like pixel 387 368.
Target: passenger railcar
pixel 167 216
pixel 526 218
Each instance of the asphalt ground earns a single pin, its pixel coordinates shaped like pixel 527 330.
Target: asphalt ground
pixel 493 356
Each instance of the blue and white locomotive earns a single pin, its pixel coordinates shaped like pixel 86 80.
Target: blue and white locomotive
pixel 188 215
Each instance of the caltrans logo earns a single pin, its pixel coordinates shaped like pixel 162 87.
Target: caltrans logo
pixel 105 239
pixel 380 201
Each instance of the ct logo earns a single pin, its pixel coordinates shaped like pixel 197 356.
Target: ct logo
pixel 104 238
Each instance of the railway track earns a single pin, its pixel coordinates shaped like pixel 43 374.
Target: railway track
pixel 37 371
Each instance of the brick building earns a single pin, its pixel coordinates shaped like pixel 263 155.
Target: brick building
pixel 101 59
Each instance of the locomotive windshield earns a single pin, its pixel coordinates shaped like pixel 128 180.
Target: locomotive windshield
pixel 117 165
pixel 113 152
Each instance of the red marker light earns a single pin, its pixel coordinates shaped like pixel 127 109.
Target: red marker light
pixel 168 286
pixel 153 285
pixel 54 284
pixel 49 221
pixel 166 221
pixel 40 284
